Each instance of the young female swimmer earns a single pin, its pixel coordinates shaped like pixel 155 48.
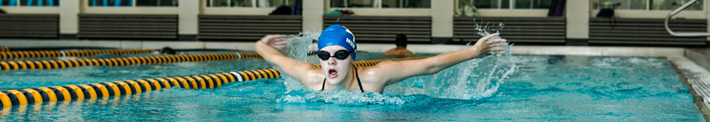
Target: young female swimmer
pixel 337 50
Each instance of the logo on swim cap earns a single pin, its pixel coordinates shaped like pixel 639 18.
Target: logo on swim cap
pixel 338 35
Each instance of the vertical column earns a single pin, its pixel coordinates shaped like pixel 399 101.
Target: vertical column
pixel 442 20
pixel 577 14
pixel 69 18
pixel 312 15
pixel 188 11
pixel 706 7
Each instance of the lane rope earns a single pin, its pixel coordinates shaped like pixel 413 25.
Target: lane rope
pixel 103 90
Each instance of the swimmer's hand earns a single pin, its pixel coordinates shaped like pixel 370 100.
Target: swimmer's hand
pixel 274 41
pixel 486 44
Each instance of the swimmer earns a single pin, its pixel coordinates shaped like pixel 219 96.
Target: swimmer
pixel 168 50
pixel 337 50
pixel 401 49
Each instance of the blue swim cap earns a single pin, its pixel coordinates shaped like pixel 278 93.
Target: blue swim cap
pixel 340 36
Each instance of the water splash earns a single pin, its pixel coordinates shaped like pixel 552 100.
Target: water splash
pixel 470 80
pixel 297 49
pixel 346 98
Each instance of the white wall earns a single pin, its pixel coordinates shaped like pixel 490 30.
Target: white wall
pixel 577 13
pixel 312 15
pixel 442 18
pixel 69 17
pixel 188 21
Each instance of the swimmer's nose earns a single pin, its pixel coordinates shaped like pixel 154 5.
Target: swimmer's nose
pixel 331 61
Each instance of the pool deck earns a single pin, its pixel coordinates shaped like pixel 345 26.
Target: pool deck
pixel 692 64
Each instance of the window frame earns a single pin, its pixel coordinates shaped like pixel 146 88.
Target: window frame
pixel 379 11
pixel 511 11
pixel 254 5
pixel 19 4
pixel 511 6
pixel 378 2
pixel 647 13
pixel 133 5
pixel 19 9
pixel 647 7
pixel 171 10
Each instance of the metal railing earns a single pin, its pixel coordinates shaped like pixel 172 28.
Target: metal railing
pixel 682 34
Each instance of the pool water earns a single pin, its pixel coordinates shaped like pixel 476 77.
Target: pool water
pixel 523 88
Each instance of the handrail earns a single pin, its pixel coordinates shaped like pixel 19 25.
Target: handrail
pixel 676 11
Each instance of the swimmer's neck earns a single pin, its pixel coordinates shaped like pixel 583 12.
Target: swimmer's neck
pixel 349 82
pixel 401 47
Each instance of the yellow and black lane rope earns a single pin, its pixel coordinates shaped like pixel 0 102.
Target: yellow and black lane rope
pixel 67 53
pixel 56 64
pixel 130 87
pixel 4 49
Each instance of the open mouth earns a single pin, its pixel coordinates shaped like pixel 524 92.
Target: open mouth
pixel 332 73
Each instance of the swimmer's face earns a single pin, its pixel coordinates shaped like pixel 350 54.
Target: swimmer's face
pixel 335 70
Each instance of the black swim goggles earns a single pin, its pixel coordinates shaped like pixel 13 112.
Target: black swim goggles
pixel 340 55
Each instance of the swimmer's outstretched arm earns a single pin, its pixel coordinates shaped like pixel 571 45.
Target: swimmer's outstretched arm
pixel 294 68
pixel 396 71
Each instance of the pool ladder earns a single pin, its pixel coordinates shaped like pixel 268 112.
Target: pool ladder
pixel 681 34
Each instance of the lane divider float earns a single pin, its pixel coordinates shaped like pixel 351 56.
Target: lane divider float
pixel 65 53
pixel 56 64
pixel 131 87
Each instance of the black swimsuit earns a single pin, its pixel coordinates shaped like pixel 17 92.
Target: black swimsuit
pixel 356 76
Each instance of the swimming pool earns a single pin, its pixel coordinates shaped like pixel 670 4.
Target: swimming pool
pixel 542 88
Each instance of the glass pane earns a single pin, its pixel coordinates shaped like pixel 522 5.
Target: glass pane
pixel 156 2
pixel 242 3
pixel 620 4
pixel 673 4
pixel 8 2
pixel 523 4
pixel 36 2
pixel 487 3
pixel 541 4
pixel 406 3
pixel 274 3
pixel 229 3
pixel 217 3
pixel 353 4
pixel 106 3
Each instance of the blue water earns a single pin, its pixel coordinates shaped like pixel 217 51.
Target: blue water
pixel 542 88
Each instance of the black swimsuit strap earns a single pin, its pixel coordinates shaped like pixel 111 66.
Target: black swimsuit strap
pixel 356 76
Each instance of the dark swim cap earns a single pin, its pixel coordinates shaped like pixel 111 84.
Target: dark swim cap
pixel 340 36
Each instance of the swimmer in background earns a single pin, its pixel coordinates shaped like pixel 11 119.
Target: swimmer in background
pixel 167 50
pixel 337 51
pixel 401 49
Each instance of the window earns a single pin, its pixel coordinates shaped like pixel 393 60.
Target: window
pixel 156 3
pixel 645 4
pixel 250 3
pixel 505 4
pixel 380 3
pixel 532 4
pixel 132 3
pixel 406 3
pixel 42 3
